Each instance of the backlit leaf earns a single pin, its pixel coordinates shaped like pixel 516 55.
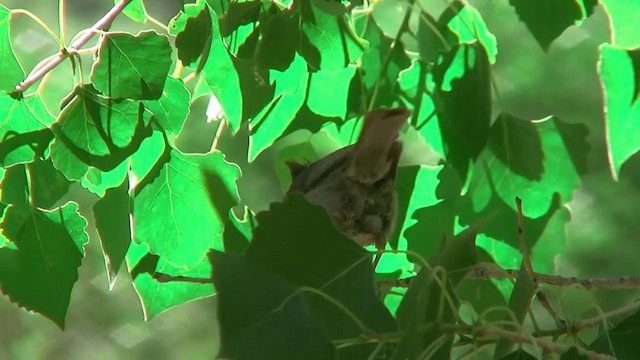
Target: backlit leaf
pixel 123 69
pixel 39 273
pixel 172 213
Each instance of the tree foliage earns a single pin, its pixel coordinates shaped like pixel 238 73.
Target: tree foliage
pixel 482 193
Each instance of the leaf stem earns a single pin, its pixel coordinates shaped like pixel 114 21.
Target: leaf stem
pixel 99 26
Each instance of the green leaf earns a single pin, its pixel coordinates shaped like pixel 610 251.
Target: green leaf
pixel 172 109
pixel 422 302
pixel 193 40
pixel 328 42
pixel 48 185
pixel 292 242
pixel 330 84
pixel 619 78
pixel 172 213
pixel 15 190
pixel 223 78
pixel 525 159
pixel 98 131
pixel 277 47
pixel 10 68
pixel 463 76
pixel 623 27
pixel 134 10
pixel 374 74
pixel 24 133
pixel 273 120
pixel 434 37
pixel 158 297
pixel 548 19
pixel 621 341
pixel 416 82
pixel 519 303
pixel 150 152
pixel 259 308
pixel 574 354
pixel 123 69
pixel 469 26
pixel 98 181
pixel 519 355
pixel 237 234
pixel 111 216
pixel 39 273
pixel 238 14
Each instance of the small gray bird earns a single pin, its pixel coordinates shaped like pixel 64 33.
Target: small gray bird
pixel 355 184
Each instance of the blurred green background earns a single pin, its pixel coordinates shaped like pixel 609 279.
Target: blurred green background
pixel 531 84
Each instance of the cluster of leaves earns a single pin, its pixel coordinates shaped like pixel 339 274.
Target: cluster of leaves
pixel 288 283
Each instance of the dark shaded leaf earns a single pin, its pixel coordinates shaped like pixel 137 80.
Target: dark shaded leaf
pixel 238 14
pixel 548 19
pixel 463 77
pixel 257 307
pixel 40 271
pixel 621 341
pixel 111 214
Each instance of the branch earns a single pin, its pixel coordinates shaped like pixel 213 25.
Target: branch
pixel 48 64
pixel 165 278
pixel 488 271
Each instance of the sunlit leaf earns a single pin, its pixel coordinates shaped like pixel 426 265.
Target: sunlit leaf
pixel 157 297
pixel 123 69
pixel 98 181
pixel 172 213
pixel 328 42
pixel 290 93
pixel 9 65
pixel 618 76
pixel 328 91
pixel 98 131
pixel 134 10
pixel 524 159
pixel 39 273
pixel 172 109
pixel 23 129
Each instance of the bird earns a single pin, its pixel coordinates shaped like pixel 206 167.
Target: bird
pixel 355 184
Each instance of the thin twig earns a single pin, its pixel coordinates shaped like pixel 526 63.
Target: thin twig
pixel 99 26
pixel 487 271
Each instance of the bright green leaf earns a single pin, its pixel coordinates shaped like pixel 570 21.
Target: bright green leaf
pixel 618 75
pixel 469 26
pixel 158 297
pixel 40 272
pixel 173 214
pixel 150 152
pixel 172 109
pixel 524 159
pixel 98 131
pixel 328 42
pixel 24 133
pixel 10 68
pixel 124 69
pixel 328 91
pixel 98 181
pixel 134 10
pixel 290 94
